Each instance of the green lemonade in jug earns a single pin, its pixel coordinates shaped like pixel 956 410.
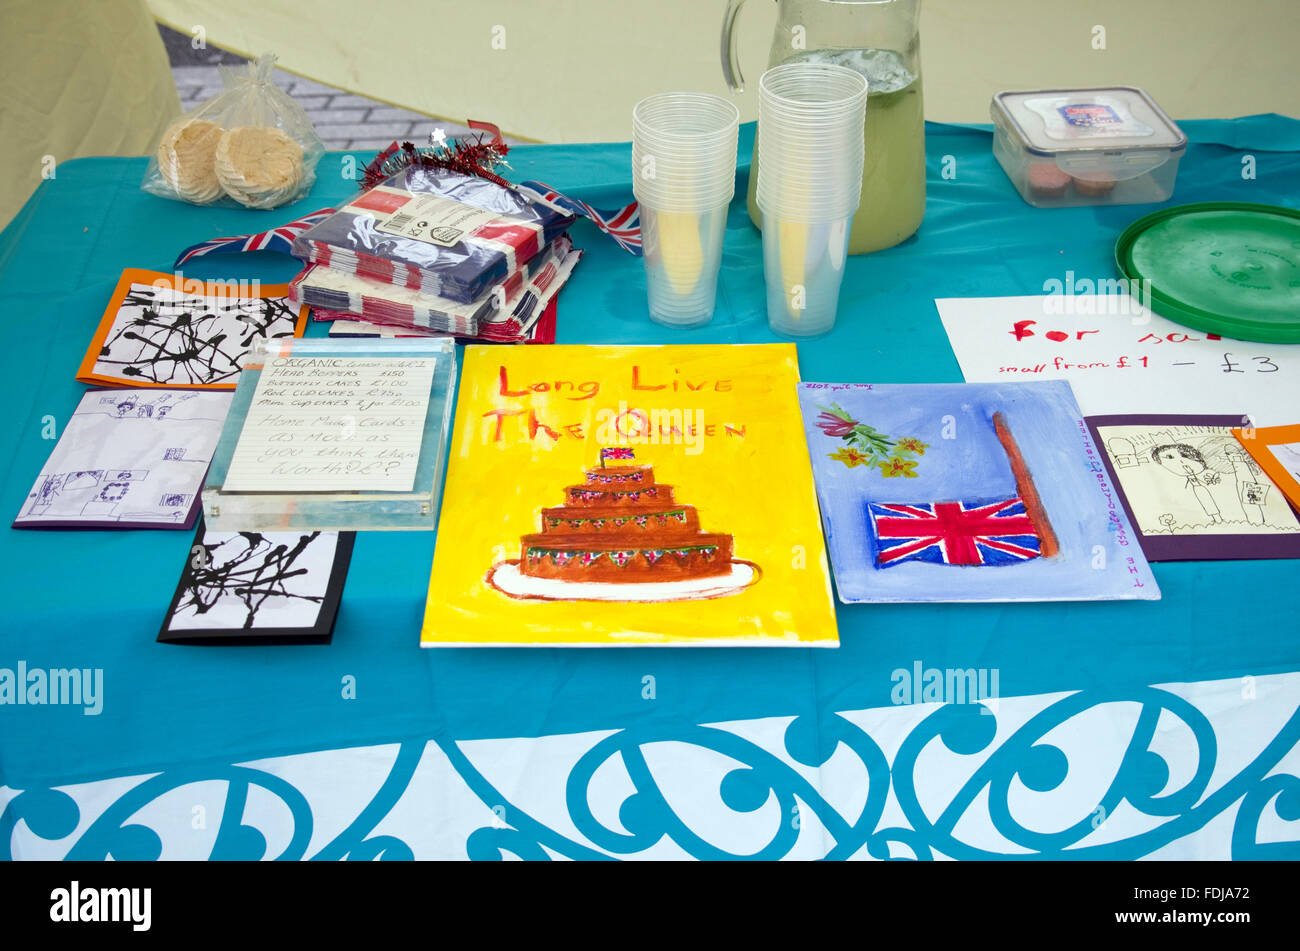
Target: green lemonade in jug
pixel 893 171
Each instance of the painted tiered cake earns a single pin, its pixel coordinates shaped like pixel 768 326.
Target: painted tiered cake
pixel 621 526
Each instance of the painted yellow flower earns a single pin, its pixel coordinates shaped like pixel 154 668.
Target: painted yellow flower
pixel 850 457
pixel 912 444
pixel 894 466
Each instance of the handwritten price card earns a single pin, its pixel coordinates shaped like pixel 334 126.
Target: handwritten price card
pixel 1120 357
pixel 320 424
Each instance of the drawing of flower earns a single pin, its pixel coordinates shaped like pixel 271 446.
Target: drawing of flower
pixel 850 457
pixel 896 466
pixel 836 422
pixel 913 445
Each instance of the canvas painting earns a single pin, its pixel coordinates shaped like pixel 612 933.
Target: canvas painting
pixel 967 492
pixel 1276 450
pixel 629 496
pixel 259 587
pixel 1192 491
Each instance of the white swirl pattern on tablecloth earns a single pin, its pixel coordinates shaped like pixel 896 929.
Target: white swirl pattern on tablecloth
pixel 1206 770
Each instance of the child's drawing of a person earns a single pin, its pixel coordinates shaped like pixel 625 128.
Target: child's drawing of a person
pixel 1182 460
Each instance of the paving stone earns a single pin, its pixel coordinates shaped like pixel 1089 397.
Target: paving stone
pixel 194 75
pixel 345 100
pixel 327 116
pixel 393 114
pixel 374 145
pixel 367 131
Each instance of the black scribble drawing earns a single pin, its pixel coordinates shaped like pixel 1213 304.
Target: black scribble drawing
pixel 256 571
pixel 159 336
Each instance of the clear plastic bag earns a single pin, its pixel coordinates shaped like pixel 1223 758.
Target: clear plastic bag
pixel 250 145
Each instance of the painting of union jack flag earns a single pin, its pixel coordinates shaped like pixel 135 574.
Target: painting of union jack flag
pixel 967 492
pixel 954 533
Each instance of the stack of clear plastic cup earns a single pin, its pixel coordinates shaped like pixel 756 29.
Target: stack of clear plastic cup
pixel 810 154
pixel 683 175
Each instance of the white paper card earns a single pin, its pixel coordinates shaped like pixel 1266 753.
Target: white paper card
pixel 1120 358
pixel 319 424
pixel 129 459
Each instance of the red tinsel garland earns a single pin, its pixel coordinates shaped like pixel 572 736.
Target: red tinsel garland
pixel 478 156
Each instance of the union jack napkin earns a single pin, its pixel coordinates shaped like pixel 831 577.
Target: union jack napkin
pixel 506 331
pixel 523 320
pixel 434 230
pixel 339 291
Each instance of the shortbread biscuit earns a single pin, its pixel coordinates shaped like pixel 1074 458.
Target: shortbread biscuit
pixel 258 166
pixel 186 157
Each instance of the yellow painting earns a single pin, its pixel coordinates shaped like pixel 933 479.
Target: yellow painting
pixel 629 496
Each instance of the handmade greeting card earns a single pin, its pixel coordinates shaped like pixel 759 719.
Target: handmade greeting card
pixel 629 496
pixel 259 587
pixel 1192 491
pixel 168 330
pixel 1277 450
pixel 967 492
pixel 128 459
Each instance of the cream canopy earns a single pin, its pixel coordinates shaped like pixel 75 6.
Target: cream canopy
pixel 571 70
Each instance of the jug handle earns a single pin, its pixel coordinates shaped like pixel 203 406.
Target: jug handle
pixel 730 59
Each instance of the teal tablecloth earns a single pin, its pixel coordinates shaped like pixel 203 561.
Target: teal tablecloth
pixel 94 599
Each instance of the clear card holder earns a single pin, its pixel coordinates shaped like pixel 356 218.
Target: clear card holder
pixel 335 510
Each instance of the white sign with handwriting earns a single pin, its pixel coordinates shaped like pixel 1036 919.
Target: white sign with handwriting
pixel 320 424
pixel 1120 358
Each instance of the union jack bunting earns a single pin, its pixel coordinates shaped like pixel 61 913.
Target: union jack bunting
pixel 279 238
pixel 954 533
pixel 621 224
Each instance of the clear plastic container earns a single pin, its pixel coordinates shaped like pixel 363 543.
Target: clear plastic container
pixel 1106 146
pixel 682 252
pixel 803 267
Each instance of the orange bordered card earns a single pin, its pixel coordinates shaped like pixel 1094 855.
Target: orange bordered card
pixel 163 329
pixel 1277 450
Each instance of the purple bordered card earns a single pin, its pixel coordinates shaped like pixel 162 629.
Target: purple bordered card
pixel 1191 491
pixel 128 458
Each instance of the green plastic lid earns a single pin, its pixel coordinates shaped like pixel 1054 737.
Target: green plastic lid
pixel 1226 267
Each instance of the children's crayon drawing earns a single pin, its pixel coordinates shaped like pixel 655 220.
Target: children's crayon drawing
pixel 629 496
pixel 966 492
pixel 1192 490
